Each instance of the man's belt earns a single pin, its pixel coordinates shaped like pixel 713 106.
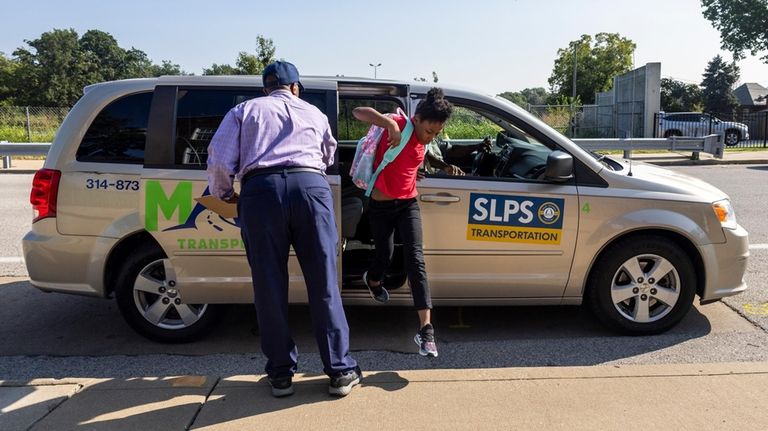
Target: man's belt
pixel 279 170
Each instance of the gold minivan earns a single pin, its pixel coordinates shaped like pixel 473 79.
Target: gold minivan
pixel 121 209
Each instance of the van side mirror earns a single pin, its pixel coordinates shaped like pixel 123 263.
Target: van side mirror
pixel 559 167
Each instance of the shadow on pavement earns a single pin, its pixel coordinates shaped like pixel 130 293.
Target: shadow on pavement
pixel 57 325
pixel 171 403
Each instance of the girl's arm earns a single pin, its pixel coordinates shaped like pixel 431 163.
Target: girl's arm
pixel 372 116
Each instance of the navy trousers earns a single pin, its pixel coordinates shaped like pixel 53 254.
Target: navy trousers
pixel 276 211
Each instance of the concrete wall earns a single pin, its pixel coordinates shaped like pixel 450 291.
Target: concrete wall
pixel 637 98
pixel 628 109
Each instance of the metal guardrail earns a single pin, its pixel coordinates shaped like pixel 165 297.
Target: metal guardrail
pixel 9 149
pixel 712 144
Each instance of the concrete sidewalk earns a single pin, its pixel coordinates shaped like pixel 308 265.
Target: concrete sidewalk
pixel 680 397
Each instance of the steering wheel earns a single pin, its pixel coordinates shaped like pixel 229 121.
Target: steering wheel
pixel 477 162
pixel 481 157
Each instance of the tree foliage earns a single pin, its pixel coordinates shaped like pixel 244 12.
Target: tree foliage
pixel 53 69
pixel 247 64
pixel 7 85
pixel 717 86
pixel 527 96
pixel 596 65
pixel 743 25
pixel 677 96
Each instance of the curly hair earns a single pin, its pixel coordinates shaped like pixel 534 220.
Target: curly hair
pixel 435 107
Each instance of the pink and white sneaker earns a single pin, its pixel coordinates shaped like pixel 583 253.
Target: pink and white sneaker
pixel 425 339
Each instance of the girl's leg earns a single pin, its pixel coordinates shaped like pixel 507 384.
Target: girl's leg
pixel 425 317
pixel 380 215
pixel 409 226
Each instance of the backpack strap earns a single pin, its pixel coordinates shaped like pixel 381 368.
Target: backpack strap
pixel 391 153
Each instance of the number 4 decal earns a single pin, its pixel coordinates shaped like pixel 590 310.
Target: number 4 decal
pixel 586 208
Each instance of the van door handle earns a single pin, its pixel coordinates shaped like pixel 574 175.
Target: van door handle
pixel 440 198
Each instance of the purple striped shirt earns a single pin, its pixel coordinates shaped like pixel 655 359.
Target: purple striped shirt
pixel 276 130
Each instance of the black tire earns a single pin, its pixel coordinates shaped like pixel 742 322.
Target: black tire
pixel 609 282
pixel 672 132
pixel 732 137
pixel 148 261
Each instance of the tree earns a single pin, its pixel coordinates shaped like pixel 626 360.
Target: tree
pixel 527 96
pixel 7 85
pixel 742 25
pixel 247 64
pixel 596 65
pixel 166 68
pixel 717 86
pixel 220 69
pixel 515 97
pixel 54 68
pixel 677 96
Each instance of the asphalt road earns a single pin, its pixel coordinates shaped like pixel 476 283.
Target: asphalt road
pixel 54 335
pixel 745 185
pixel 15 221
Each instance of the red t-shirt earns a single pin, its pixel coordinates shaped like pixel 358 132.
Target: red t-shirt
pixel 398 179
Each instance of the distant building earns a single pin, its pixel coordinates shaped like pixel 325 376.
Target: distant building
pixel 752 97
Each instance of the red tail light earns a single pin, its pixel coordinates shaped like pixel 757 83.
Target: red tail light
pixel 45 189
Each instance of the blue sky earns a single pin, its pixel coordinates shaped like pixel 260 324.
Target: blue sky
pixel 493 46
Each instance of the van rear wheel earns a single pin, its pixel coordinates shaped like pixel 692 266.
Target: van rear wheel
pixel 153 306
pixel 642 285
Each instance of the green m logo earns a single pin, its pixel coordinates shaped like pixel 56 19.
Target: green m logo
pixel 180 202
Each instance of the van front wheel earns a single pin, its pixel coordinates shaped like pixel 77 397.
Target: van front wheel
pixel 642 285
pixel 151 303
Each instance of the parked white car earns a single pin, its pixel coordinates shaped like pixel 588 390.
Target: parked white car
pixel 701 124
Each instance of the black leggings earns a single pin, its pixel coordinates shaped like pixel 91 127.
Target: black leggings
pixel 403 214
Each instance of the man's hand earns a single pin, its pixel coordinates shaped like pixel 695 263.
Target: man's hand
pixel 421 174
pixel 232 199
pixel 453 170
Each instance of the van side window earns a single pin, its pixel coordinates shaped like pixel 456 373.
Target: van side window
pixel 512 155
pixel 119 133
pixel 199 113
pixel 352 129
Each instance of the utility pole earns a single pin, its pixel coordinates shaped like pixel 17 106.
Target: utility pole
pixel 575 51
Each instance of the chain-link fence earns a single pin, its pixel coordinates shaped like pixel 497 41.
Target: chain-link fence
pixel 30 123
pixel 577 121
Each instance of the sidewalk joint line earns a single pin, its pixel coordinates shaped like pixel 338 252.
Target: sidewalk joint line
pixel 200 407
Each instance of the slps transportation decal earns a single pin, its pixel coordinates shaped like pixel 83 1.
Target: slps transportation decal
pixel 520 219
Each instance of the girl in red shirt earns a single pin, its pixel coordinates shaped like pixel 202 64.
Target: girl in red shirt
pixel 393 205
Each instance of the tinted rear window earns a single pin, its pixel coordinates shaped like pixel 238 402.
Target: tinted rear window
pixel 199 113
pixel 119 133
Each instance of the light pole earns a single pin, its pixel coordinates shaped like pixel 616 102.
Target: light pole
pixel 375 67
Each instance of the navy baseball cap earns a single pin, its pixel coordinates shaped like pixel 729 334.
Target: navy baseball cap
pixel 280 73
